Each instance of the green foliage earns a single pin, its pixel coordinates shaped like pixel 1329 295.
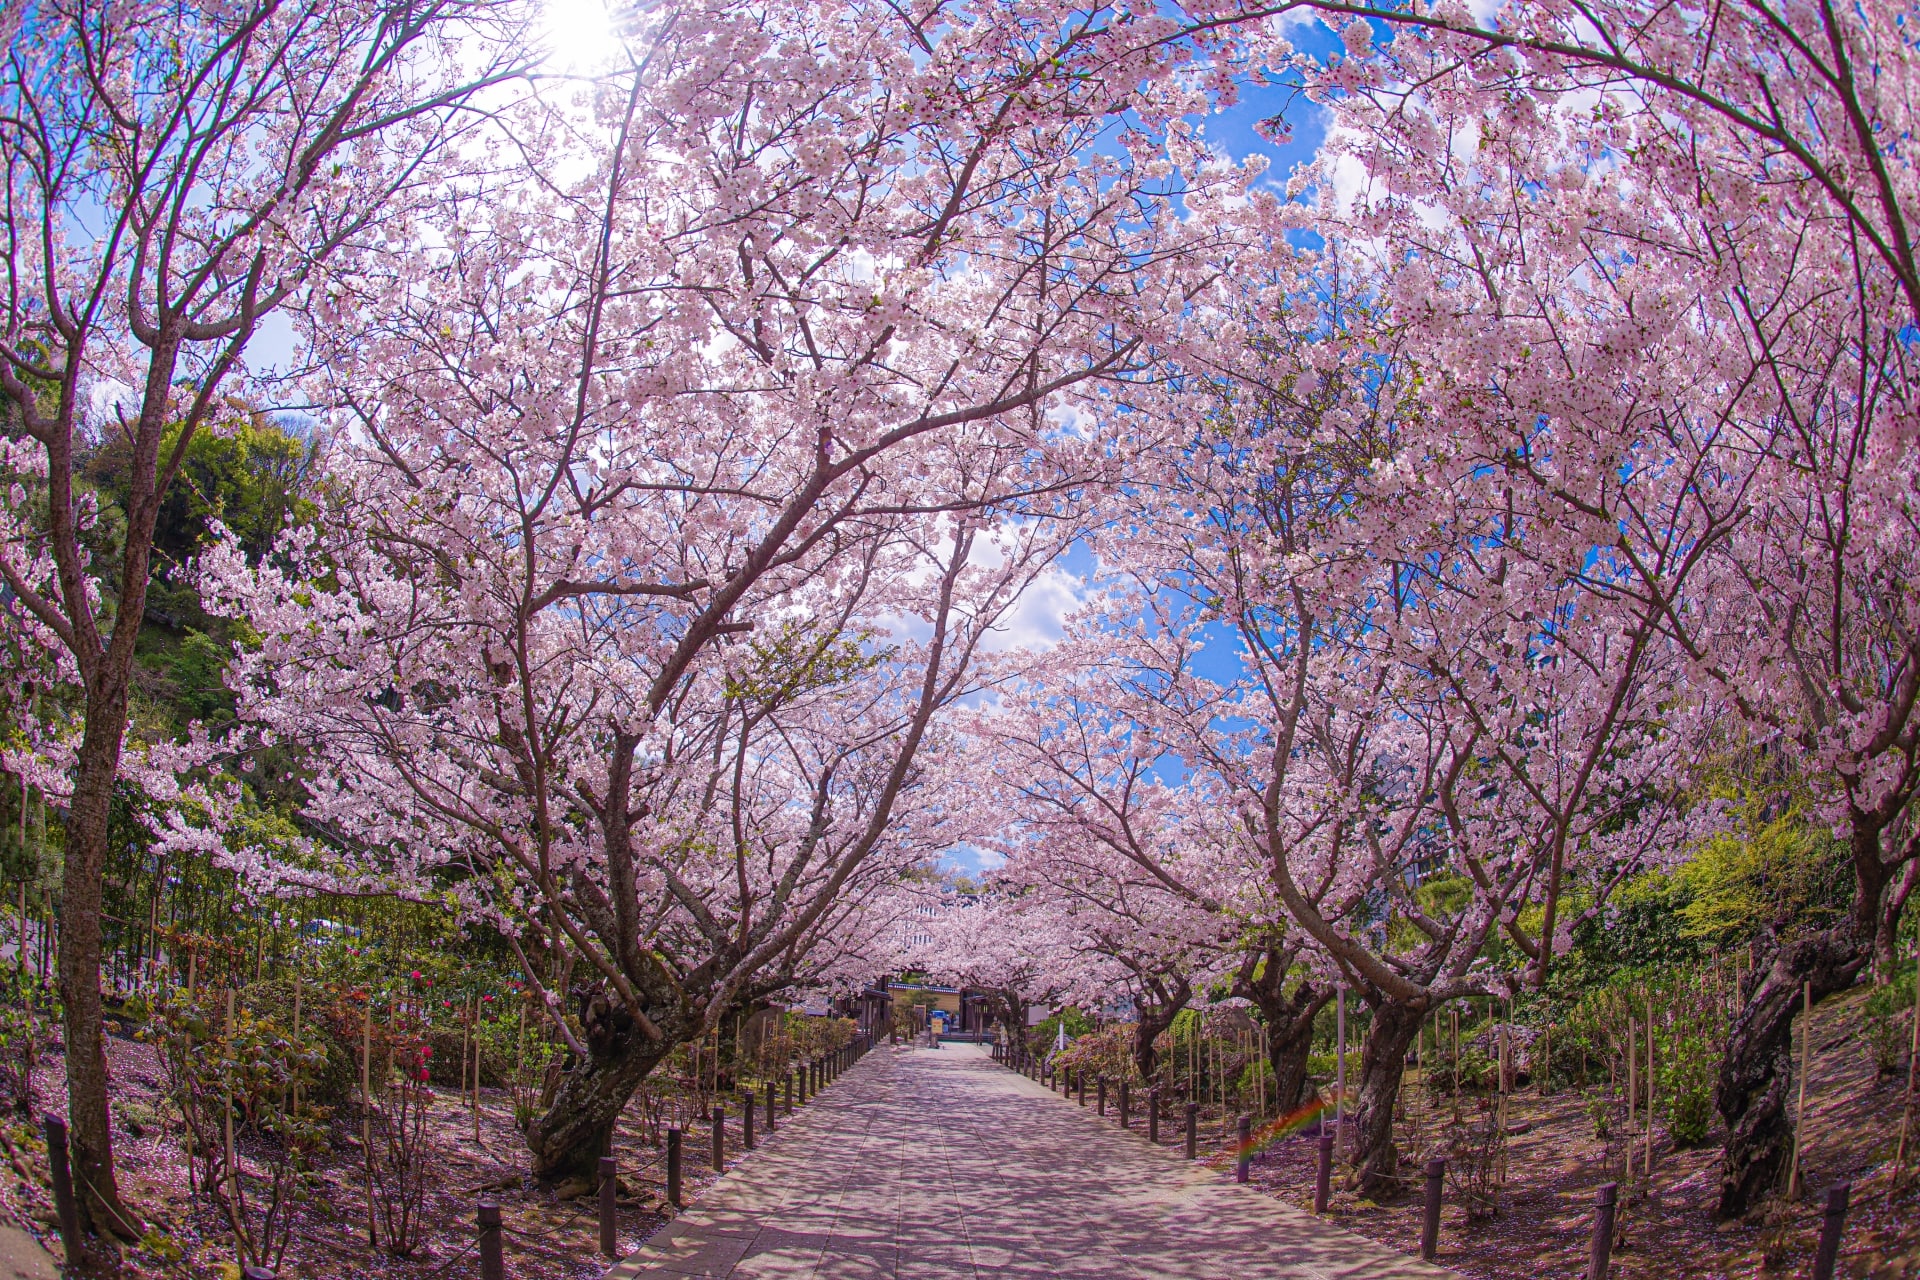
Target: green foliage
pixel 1043 1035
pixel 26 1033
pixel 236 1077
pixel 1784 874
pixel 1639 929
pixel 1600 1113
pixel 1889 1021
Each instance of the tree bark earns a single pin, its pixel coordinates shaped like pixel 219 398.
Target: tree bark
pixel 1756 1075
pixel 103 1217
pixel 1263 979
pixel 1368 1131
pixel 1153 1019
pixel 1886 938
pixel 569 1139
pixel 1290 1042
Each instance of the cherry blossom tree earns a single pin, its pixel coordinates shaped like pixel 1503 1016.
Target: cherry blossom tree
pixel 683 478
pixel 1736 201
pixel 1750 152
pixel 1000 945
pixel 173 179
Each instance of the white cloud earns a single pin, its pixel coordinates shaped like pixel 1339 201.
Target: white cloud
pixel 1037 618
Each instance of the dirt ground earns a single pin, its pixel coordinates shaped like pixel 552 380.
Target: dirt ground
pixel 1541 1231
pixel 546 1238
pixel 1544 1225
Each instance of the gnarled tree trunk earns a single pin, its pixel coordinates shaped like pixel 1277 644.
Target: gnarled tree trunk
pixel 1263 979
pixel 1756 1075
pixel 1155 1016
pixel 1368 1131
pixel 569 1139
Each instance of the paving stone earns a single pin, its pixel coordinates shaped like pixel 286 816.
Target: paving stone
pixel 921 1164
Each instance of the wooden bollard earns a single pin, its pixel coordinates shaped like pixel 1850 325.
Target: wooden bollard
pixel 719 1140
pixel 609 1214
pixel 1606 1197
pixel 62 1173
pixel 1193 1130
pixel 789 1093
pixel 746 1123
pixel 1080 1083
pixel 1323 1176
pixel 802 1076
pixel 770 1108
pixel 1430 1223
pixel 1243 1143
pixel 1833 1224
pixel 493 1265
pixel 673 1167
pixel 1103 1097
pixel 1125 1118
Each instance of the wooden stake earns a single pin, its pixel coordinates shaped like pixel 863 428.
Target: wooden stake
pixel 366 1115
pixel 296 1032
pixel 1651 1078
pixel 1454 1014
pixel 1800 1110
pixel 1913 1060
pixel 1340 1058
pixel 466 1034
pixel 520 1056
pixel 474 1005
pixel 1546 1058
pixel 1633 1073
pixel 233 1166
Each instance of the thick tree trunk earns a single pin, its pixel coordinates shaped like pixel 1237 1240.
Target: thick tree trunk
pixel 1886 939
pixel 1153 1020
pixel 569 1139
pixel 1756 1075
pixel 1290 1042
pixel 1263 980
pixel 89 1127
pixel 1368 1136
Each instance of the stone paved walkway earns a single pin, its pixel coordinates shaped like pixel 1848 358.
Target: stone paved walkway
pixel 924 1164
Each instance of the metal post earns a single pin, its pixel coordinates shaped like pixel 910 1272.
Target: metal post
pixel 719 1140
pixel 62 1184
pixel 1124 1108
pixel 1193 1130
pixel 746 1124
pixel 1103 1096
pixel 771 1123
pixel 492 1265
pixel 1430 1227
pixel 609 1219
pixel 1605 1197
pixel 673 1167
pixel 1243 1138
pixel 1832 1226
pixel 1153 1116
pixel 1323 1178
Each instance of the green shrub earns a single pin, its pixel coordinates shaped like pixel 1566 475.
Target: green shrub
pixel 1889 1015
